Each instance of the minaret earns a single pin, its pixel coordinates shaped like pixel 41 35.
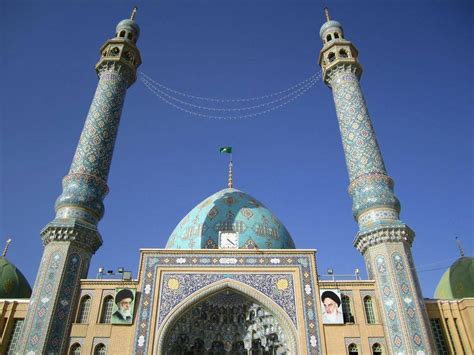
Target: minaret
pixel 383 239
pixel 72 237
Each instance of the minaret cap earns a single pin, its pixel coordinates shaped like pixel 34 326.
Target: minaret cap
pixel 129 24
pixel 329 24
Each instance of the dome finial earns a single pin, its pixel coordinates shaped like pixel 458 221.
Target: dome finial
pixel 326 13
pixel 134 13
pixel 461 250
pixel 6 247
pixel 228 150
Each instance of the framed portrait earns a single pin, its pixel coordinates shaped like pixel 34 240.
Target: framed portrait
pixel 331 306
pixel 124 306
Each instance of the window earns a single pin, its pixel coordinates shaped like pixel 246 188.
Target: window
pixel 377 349
pixel 75 349
pixel 439 336
pixel 122 34
pixel 328 38
pixel 369 310
pixel 15 336
pixel 331 57
pixel 84 308
pixel 107 306
pixel 336 35
pixel 129 36
pixel 346 309
pixel 343 53
pixel 353 349
pixel 100 349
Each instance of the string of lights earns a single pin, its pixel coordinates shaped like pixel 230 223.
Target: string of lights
pixel 256 98
pixel 207 108
pixel 203 115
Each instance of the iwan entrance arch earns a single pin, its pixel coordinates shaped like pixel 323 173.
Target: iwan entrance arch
pixel 203 322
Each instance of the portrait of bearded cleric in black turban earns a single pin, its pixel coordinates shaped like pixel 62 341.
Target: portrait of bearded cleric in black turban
pixel 124 304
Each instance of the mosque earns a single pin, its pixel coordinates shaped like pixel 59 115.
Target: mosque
pixel 230 279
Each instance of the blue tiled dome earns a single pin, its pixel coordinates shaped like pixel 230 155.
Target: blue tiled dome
pixel 230 210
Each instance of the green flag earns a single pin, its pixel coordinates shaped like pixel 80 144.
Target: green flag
pixel 227 150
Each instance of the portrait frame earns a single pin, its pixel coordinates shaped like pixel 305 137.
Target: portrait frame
pixel 329 298
pixel 123 309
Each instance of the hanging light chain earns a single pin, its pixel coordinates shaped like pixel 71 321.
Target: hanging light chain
pixel 301 83
pixel 293 97
pixel 304 88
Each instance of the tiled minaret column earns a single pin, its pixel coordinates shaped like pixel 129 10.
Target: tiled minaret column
pixel 72 237
pixel 383 239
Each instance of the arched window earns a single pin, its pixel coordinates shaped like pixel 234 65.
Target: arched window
pixel 107 306
pixel 328 38
pixel 84 308
pixel 343 53
pixel 336 35
pixel 369 310
pixel 122 34
pixel 347 309
pixel 353 349
pixel 129 36
pixel 377 349
pixel 75 349
pixel 331 57
pixel 100 349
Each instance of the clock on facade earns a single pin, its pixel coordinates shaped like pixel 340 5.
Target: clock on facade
pixel 228 240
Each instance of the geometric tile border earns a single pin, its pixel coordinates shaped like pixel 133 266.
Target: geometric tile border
pixel 153 261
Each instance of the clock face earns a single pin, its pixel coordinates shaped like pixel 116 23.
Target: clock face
pixel 229 240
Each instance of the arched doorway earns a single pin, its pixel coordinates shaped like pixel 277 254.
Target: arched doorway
pixel 228 321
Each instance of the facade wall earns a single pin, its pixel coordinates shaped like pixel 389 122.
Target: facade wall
pixel 10 310
pixel 338 337
pixel 116 338
pixel 456 319
pixel 171 281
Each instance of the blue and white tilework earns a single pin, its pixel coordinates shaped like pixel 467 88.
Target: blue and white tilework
pixel 42 302
pixel 230 210
pixel 192 282
pixel 63 315
pixel 86 184
pixel 409 302
pixel 390 306
pixel 370 185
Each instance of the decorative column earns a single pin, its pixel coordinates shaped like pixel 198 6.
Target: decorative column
pixel 383 239
pixel 72 237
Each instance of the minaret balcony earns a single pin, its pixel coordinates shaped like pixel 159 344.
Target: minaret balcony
pixel 119 51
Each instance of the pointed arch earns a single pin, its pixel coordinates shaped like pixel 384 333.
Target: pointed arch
pixel 215 288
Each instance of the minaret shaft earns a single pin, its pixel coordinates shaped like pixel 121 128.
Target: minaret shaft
pixel 85 187
pixel 383 239
pixel 356 127
pixel 371 188
pixel 72 237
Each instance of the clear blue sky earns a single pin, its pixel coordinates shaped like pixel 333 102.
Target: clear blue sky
pixel 417 82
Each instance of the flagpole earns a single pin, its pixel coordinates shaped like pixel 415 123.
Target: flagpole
pixel 231 182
